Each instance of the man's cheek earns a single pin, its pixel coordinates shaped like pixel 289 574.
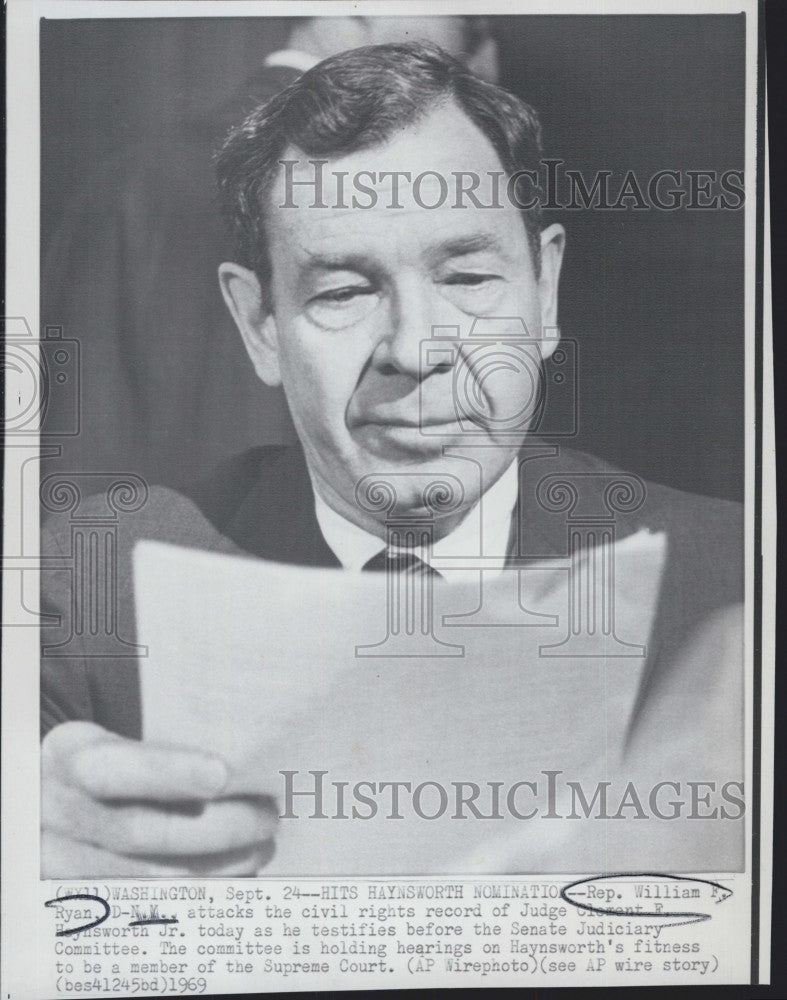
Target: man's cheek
pixel 303 369
pixel 318 400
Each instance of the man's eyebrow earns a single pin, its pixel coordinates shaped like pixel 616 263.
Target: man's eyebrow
pixel 463 246
pixel 459 246
pixel 311 261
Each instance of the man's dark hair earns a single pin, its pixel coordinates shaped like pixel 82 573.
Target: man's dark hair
pixel 356 100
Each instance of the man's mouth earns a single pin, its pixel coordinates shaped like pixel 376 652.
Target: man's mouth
pixel 413 424
pixel 414 421
pixel 405 434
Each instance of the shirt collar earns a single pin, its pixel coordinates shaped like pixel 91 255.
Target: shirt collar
pixel 484 531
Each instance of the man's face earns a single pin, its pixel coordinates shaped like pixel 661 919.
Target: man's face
pixel 356 294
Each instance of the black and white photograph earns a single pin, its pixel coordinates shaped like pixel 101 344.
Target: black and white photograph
pixel 387 428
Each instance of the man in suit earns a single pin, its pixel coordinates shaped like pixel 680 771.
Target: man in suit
pixel 335 288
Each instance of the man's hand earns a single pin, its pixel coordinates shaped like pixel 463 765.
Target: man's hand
pixel 117 808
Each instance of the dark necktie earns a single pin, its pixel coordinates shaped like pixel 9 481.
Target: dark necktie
pixel 401 561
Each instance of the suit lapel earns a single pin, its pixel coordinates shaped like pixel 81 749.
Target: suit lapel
pixel 276 519
pixel 534 533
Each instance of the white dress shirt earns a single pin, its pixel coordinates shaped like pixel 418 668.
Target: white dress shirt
pixel 485 529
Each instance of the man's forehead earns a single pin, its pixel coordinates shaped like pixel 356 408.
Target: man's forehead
pixel 413 166
pixel 316 239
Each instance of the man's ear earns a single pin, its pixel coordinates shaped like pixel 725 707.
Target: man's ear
pixel 553 241
pixel 241 290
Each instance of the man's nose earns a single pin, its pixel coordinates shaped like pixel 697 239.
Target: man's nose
pixel 414 311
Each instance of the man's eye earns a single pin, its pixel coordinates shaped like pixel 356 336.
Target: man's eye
pixel 336 308
pixel 478 293
pixel 341 295
pixel 469 279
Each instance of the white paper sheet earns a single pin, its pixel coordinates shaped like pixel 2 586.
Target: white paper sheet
pixel 284 654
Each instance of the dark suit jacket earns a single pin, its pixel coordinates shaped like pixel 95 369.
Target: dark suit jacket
pixel 261 504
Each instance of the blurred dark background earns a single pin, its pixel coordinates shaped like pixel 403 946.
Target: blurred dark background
pixel 131 237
